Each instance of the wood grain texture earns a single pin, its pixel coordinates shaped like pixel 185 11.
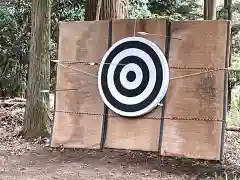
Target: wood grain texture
pixel 79 41
pixel 203 44
pixel 136 134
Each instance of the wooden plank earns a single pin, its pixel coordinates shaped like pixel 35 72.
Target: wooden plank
pixel 202 44
pixel 79 41
pixel 83 41
pixel 136 134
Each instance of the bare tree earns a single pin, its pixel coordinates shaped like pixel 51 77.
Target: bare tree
pixel 105 9
pixel 228 9
pixel 36 114
pixel 210 9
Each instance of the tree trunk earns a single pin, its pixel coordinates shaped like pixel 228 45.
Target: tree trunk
pixel 205 9
pixel 212 9
pixel 228 9
pixel 36 114
pixel 110 9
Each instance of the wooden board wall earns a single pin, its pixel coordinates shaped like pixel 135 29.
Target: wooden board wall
pixel 79 41
pixel 202 44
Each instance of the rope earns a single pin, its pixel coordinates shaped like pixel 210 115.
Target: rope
pixel 170 67
pixel 174 78
pixel 143 117
pixel 189 75
pixel 207 70
pixel 77 70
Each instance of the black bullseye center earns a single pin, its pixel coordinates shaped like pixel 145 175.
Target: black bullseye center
pixel 131 76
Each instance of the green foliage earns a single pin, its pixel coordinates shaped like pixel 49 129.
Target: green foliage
pixel 68 10
pixel 15 32
pixel 235 76
pixel 162 7
pixel 65 10
pixel 13 51
pixel 138 9
pixel 234 112
pixel 177 9
pixel 5 17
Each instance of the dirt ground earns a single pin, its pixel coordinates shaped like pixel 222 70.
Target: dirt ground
pixel 22 160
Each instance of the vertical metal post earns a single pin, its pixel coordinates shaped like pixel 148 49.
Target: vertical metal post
pixel 167 50
pixel 105 116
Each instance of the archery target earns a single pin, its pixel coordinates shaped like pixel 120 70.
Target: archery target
pixel 133 76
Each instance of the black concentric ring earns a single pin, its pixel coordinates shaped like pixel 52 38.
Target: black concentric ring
pixel 133 92
pixel 155 90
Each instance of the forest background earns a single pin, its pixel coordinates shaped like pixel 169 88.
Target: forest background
pixel 15 33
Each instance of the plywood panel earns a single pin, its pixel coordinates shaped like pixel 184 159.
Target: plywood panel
pixel 79 41
pixel 82 41
pixel 202 44
pixel 136 134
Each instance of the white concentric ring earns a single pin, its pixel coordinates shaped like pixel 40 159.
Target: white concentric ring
pixel 123 76
pixel 165 74
pixel 152 77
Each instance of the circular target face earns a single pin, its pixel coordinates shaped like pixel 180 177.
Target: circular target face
pixel 133 76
